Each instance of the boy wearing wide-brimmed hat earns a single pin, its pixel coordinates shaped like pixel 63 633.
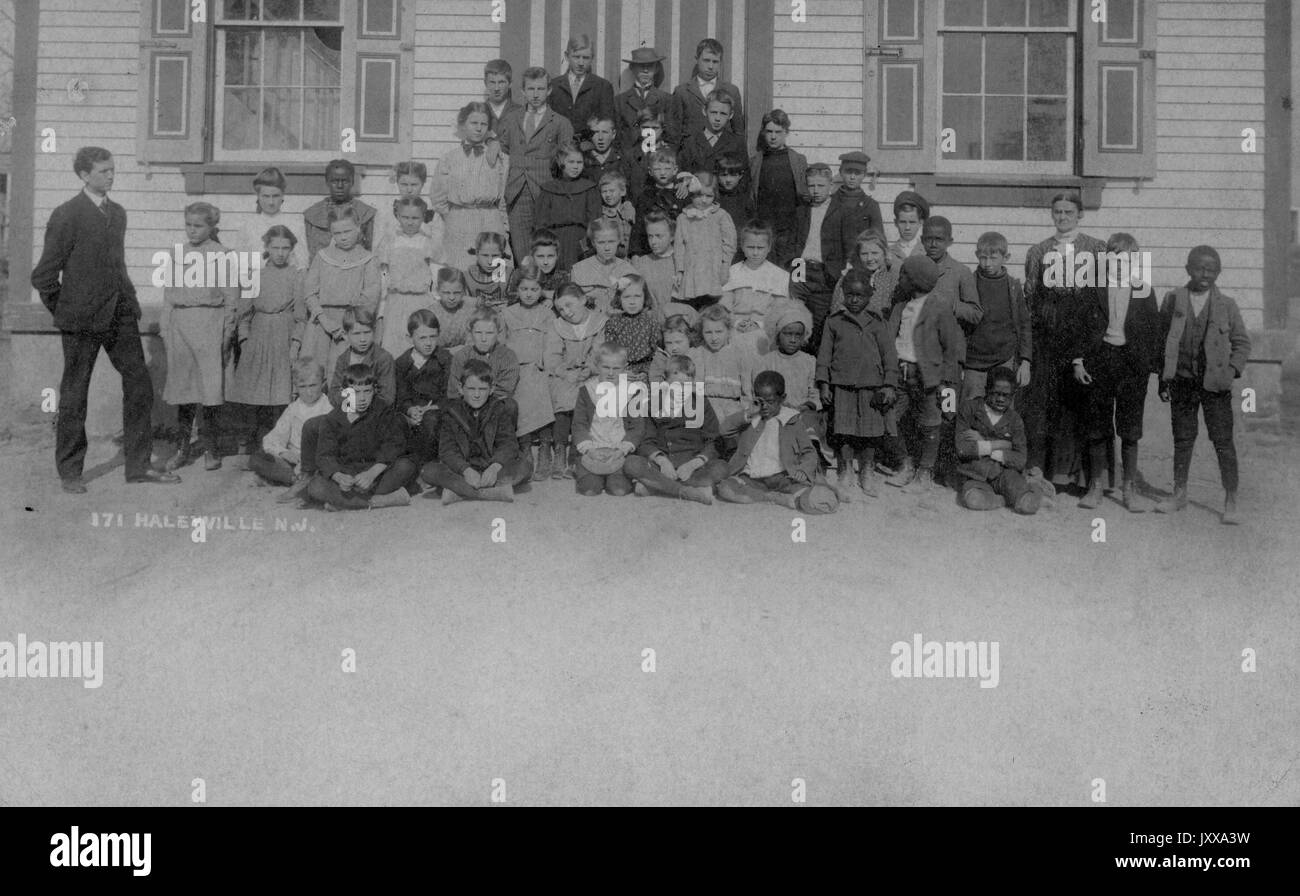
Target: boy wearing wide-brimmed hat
pixel 647 67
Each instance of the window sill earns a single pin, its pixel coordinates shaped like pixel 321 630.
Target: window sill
pixel 1003 191
pixel 302 179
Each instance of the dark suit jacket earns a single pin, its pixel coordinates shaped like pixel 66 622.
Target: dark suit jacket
pixel 848 216
pixel 972 416
pixel 798 168
pixel 692 108
pixel 596 97
pixel 628 104
pixel 531 157
pixel 82 270
pixel 1085 324
pixel 939 342
pixel 697 155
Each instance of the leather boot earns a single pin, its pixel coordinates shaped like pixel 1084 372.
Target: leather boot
pixel 1175 502
pixel 1092 499
pixel 545 458
pixel 1134 502
pixel 906 473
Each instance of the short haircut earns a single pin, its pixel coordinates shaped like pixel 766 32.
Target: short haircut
pixel 662 154
pixel 573 291
pixel 626 281
pixel 342 213
pixel 757 227
pixel 939 222
pixel 1067 196
pixel 306 367
pixel 776 117
pixel 279 232
pixel 535 73
pixel 613 177
pixel 715 313
pixel 577 42
pixel 358 316
pixel 342 165
pixel 681 364
pixel 210 214
pixel 678 323
pixel 729 163
pixel 649 114
pixel 417 168
pixel 450 274
pixel 722 98
pixel 658 216
pixel 410 202
pixel 855 281
pixel 422 317
pixel 498 67
pixel 562 154
pixel 479 369
pixel 1122 242
pixel 1002 375
pixel 88 157
pixel 360 375
pixel 609 350
pixel 489 236
pixel 602 225
pixel 597 118
pixel 1209 251
pixel 484 314
pixel 708 44
pixel 770 379
pixel 269 177
pixel 992 241
pixel 819 169
pixel 543 237
pixel 921 213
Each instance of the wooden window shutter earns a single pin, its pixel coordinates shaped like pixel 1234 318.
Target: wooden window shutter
pixel 1119 90
pixel 380 58
pixel 900 90
pixel 173 75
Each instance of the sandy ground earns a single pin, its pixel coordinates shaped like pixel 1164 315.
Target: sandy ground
pixel 522 662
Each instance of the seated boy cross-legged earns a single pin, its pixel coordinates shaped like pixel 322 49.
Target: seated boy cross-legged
pixel 478 453
pixel 678 457
pixel 991 444
pixel 604 431
pixel 776 457
pixel 360 462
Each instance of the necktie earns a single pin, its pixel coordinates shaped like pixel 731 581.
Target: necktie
pixel 103 209
pixel 530 124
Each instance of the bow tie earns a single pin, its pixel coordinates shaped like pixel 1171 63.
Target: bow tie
pixel 475 148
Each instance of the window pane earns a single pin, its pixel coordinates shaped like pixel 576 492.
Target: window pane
pixel 1047 131
pixel 321 10
pixel 963 12
pixel 283 65
pixel 1048 57
pixel 1004 63
pixel 961 63
pixel 1049 13
pixel 900 20
pixel 962 114
pixel 281 10
pixel 173 17
pixel 323 59
pixel 1004 120
pixel 240 9
pixel 1121 21
pixel 380 16
pixel 171 95
pixel 321 118
pixel 1006 13
pixel 282 114
pixel 243 58
pixel 240 121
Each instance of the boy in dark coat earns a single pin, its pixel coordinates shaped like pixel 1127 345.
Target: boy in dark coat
pixel 991 445
pixel 421 373
pixel 1206 348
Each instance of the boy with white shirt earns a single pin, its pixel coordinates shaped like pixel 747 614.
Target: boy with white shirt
pixel 285 458
pixel 910 213
pixel 692 96
pixel 818 285
pixel 1206 348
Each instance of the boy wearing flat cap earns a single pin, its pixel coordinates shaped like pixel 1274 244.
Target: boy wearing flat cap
pixel 910 213
pixel 851 212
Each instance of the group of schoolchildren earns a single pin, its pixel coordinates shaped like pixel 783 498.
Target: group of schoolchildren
pixel 463 344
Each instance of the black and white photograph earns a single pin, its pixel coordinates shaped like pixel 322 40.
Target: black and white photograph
pixel 874 403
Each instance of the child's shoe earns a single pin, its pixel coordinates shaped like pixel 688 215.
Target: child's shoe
pixel 182 457
pixel 211 461
pixel 867 482
pixel 450 497
pixel 1034 479
pixel 1028 503
pixel 1133 502
pixel 397 498
pixel 504 492
pixel 1175 502
pixel 1230 516
pixel 905 476
pixel 293 492
pixel 570 465
pixel 845 486
pixel 788 501
pixel 699 494
pixel 1092 499
pixel 545 459
pixel 980 499
pixel 640 490
pixel 921 483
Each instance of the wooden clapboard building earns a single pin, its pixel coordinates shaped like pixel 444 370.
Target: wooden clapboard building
pixel 1167 116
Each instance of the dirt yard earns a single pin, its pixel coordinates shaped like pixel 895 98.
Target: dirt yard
pixel 517 669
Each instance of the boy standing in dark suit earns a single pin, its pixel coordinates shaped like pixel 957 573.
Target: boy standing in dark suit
pixel 1115 335
pixel 712 141
pixel 83 281
pixel 579 94
pixel 692 96
pixel 851 212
